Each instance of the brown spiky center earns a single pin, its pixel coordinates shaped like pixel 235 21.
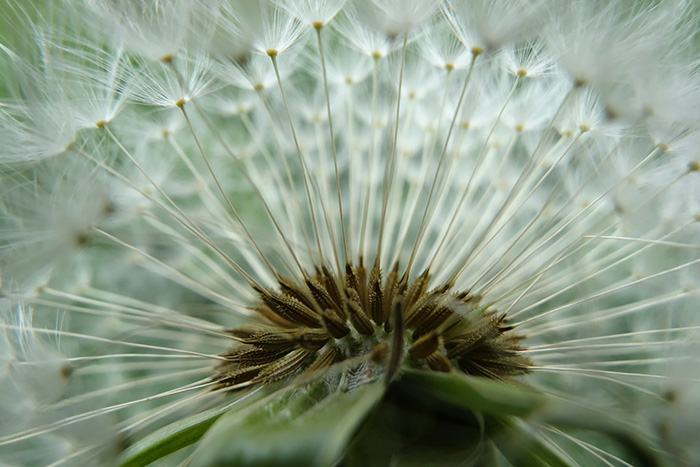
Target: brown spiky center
pixel 371 324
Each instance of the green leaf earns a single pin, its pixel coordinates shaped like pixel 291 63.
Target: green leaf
pixel 303 427
pixel 176 436
pixel 478 394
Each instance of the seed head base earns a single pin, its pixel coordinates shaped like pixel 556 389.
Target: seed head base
pixel 362 318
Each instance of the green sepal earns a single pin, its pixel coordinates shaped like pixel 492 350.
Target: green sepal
pixel 478 394
pixel 299 426
pixel 177 435
pixel 505 403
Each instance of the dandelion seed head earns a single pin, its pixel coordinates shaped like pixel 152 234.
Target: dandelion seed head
pixel 237 229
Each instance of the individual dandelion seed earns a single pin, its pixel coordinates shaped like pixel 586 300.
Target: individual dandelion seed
pixel 367 232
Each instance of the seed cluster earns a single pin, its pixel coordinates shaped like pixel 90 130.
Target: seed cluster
pixel 361 318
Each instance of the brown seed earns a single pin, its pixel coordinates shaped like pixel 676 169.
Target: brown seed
pixel 433 320
pixel 336 328
pixel 291 309
pixel 237 376
pixel 273 317
pixel 332 287
pixel 422 308
pixel 358 318
pixel 272 339
pixel 389 292
pixel 321 295
pixel 312 339
pixel 376 305
pixel 66 371
pixel 376 296
pixel 425 345
pixel 291 289
pixel 350 278
pixel 323 361
pixel 416 289
pixel 363 293
pixel 245 331
pixel 252 356
pixel 318 368
pixel 283 367
pixel 460 347
pixel 438 362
